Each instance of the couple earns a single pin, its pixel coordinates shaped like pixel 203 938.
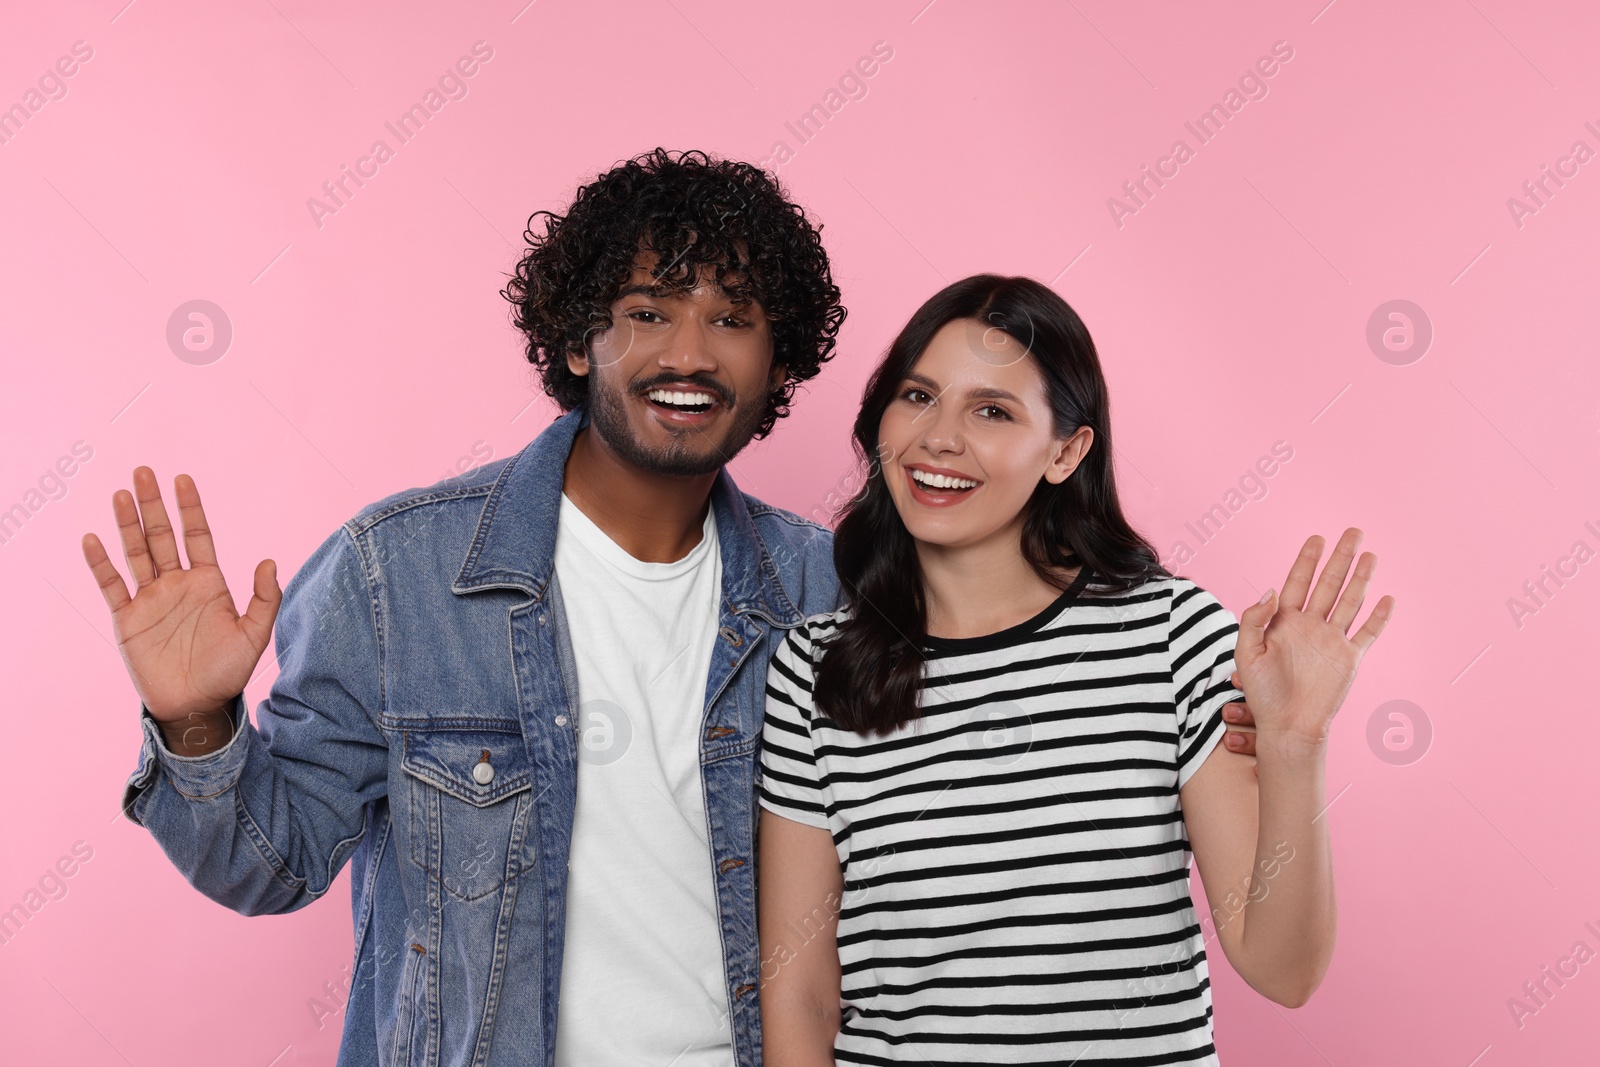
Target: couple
pixel 544 707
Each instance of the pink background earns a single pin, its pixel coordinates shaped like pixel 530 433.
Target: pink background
pixel 373 352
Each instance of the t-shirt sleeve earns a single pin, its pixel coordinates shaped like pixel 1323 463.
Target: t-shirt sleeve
pixel 790 779
pixel 1201 641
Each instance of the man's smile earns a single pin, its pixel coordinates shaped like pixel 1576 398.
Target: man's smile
pixel 684 403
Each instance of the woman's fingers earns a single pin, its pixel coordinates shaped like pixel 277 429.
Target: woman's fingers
pixel 1304 568
pixel 1252 638
pixel 1376 621
pixel 1326 593
pixel 1349 606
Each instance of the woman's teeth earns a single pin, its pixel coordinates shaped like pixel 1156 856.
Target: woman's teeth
pixel 941 481
pixel 669 396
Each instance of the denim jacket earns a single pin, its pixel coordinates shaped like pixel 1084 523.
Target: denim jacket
pixel 424 725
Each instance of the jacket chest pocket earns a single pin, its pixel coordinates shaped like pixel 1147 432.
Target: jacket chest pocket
pixel 471 799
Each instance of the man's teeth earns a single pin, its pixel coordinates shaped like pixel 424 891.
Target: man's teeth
pixel 941 481
pixel 669 396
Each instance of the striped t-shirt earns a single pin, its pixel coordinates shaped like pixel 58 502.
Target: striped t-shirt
pixel 1016 871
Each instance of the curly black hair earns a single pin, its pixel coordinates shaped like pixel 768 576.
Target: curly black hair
pixel 695 212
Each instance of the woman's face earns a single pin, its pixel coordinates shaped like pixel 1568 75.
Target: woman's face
pixel 969 435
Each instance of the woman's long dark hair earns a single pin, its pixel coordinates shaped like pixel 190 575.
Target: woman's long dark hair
pixel 869 679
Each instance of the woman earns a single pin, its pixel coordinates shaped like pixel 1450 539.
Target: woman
pixel 982 778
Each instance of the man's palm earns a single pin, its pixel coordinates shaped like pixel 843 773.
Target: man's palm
pixel 186 648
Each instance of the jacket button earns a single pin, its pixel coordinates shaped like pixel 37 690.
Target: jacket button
pixel 483 770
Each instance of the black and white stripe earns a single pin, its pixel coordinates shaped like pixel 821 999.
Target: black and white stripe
pixel 1015 861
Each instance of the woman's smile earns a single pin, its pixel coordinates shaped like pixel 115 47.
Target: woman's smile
pixel 938 487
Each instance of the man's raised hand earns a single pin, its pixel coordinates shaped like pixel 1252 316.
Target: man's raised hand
pixel 187 650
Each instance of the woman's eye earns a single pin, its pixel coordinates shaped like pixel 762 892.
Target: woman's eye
pixel 914 395
pixel 999 412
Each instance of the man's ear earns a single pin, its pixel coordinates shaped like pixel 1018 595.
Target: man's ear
pixel 578 362
pixel 1068 455
pixel 775 379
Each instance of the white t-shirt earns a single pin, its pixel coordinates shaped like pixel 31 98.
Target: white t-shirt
pixel 642 974
pixel 1016 865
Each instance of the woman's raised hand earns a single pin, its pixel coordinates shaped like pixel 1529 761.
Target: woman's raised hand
pixel 187 650
pixel 1295 661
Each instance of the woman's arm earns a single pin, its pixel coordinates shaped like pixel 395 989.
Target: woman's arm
pixel 799 888
pixel 1266 863
pixel 1260 840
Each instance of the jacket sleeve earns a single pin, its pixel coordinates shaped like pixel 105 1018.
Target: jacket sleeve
pixel 264 824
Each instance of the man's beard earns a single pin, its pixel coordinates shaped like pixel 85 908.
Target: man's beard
pixel 608 412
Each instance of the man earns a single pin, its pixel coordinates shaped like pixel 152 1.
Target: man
pixel 525 702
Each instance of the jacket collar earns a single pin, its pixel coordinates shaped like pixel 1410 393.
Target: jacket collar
pixel 515 542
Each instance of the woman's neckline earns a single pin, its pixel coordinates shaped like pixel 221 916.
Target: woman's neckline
pixel 985 642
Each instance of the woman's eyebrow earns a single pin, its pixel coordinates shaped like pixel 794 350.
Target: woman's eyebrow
pixel 980 393
pixel 988 393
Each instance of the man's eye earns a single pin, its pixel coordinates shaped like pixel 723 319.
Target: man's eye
pixel 732 320
pixel 642 311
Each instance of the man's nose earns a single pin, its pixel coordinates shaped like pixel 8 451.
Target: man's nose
pixel 688 349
